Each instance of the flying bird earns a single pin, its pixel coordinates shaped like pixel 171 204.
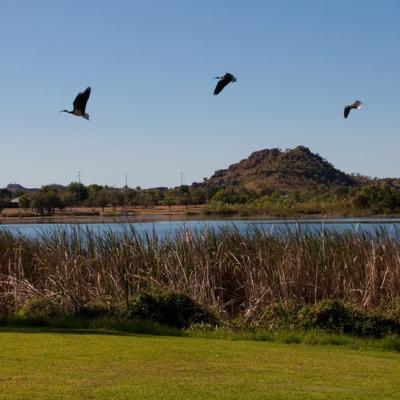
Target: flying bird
pixel 80 104
pixel 357 105
pixel 223 81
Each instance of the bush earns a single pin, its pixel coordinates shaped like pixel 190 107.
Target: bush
pixel 40 309
pixel 97 308
pixel 280 316
pixel 390 309
pixel 335 316
pixel 173 309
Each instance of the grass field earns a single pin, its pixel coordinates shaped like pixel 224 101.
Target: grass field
pixel 93 366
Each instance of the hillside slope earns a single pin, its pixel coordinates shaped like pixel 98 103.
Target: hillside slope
pixel 273 169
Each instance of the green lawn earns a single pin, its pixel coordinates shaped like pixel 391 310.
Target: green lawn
pixel 92 366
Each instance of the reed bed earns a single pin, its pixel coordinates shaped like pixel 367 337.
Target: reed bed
pixel 235 273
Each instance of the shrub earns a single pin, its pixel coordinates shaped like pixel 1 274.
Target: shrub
pixel 280 316
pixel 40 309
pixel 390 309
pixel 173 309
pixel 335 316
pixel 97 308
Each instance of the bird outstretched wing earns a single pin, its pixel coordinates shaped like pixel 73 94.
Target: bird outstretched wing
pixel 227 78
pixel 347 110
pixel 81 100
pixel 220 85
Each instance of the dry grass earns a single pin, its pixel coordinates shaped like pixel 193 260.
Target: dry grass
pixel 233 272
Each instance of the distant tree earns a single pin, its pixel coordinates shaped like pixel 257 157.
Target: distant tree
pixel 101 199
pixel 68 198
pixel 38 202
pixel 183 195
pixel 131 196
pixel 169 202
pixel 46 202
pixel 5 195
pixel 170 199
pixel 24 201
pixel 198 195
pixel 48 188
pixel 79 190
pixel 115 198
pixel 53 201
pixel 93 191
pixel 231 196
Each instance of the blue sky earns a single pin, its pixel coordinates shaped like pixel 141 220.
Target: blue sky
pixel 150 65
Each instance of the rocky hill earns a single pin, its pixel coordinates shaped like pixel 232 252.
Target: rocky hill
pixel 274 169
pixel 15 187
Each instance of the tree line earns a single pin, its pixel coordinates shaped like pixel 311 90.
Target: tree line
pixel 372 198
pixel 53 197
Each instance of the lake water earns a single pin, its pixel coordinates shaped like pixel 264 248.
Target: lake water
pixel 163 228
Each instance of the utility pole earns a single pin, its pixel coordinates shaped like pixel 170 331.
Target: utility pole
pixel 182 178
pixel 126 180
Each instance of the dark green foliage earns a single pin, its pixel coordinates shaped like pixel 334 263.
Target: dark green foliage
pixel 378 198
pixel 79 191
pixel 328 315
pixel 335 316
pixel 97 308
pixel 173 309
pixel 374 199
pixel 280 316
pixel 40 309
pixel 233 196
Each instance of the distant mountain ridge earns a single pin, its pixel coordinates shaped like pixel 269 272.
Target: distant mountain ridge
pixel 274 169
pixel 297 169
pixel 15 187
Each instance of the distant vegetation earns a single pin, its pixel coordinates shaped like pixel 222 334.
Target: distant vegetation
pixel 272 182
pixel 375 198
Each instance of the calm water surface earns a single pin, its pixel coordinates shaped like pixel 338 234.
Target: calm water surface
pixel 163 228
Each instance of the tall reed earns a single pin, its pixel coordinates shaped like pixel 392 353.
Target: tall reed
pixel 234 272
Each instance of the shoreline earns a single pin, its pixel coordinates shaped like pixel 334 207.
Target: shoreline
pixel 132 215
pixel 148 218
